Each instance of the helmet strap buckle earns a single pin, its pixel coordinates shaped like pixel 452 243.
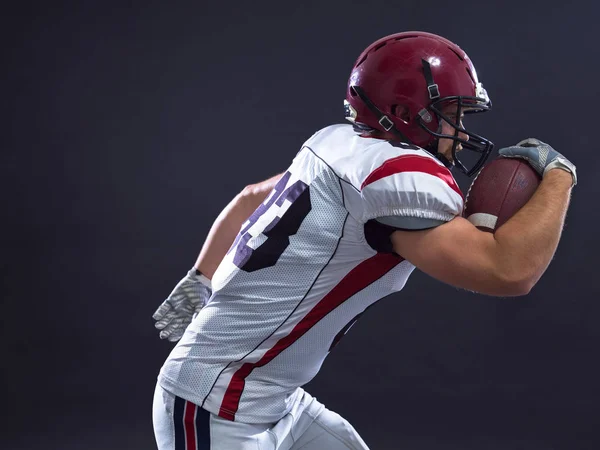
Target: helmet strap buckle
pixel 432 87
pixel 434 91
pixel 386 123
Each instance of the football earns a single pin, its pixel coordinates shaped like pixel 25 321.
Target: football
pixel 501 188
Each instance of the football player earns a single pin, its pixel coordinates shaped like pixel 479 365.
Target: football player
pixel 292 262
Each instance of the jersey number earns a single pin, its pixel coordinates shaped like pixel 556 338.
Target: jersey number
pixel 278 231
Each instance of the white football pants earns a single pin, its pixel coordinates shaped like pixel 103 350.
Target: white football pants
pixel 182 425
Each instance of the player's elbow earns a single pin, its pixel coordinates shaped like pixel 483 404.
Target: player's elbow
pixel 257 192
pixel 252 196
pixel 515 284
pixel 248 199
pixel 250 191
pixel 520 288
pixel 526 284
pixel 503 289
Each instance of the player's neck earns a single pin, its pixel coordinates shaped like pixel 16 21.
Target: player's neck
pixel 378 135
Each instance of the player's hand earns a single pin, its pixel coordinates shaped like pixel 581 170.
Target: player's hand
pixel 540 156
pixel 183 304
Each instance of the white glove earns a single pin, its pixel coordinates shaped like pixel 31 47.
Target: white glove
pixel 183 304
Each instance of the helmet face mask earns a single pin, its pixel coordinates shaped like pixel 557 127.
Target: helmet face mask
pixel 403 85
pixel 475 142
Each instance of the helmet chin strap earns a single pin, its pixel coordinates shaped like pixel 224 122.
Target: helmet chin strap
pixel 434 94
pixel 432 148
pixel 445 161
pixel 388 125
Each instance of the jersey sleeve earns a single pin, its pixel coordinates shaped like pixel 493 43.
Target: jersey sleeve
pixel 410 192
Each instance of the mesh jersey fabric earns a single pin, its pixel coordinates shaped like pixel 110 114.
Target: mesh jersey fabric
pixel 300 271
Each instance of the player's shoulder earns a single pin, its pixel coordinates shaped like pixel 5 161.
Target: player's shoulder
pixel 332 135
pixel 410 184
pixel 384 178
pixel 392 159
pixel 398 161
pixel 354 157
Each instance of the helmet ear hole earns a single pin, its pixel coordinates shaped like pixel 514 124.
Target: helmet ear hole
pixel 401 112
pixel 353 92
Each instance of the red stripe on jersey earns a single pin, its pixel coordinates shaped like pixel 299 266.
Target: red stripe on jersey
pixel 355 281
pixel 412 163
pixel 189 425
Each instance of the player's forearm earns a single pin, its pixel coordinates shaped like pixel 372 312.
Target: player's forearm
pixel 527 241
pixel 228 224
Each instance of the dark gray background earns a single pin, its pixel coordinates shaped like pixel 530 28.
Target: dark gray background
pixel 127 129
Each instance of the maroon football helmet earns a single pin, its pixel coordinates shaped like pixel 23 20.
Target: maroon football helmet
pixel 401 83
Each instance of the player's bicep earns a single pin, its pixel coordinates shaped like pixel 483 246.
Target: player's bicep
pixel 456 253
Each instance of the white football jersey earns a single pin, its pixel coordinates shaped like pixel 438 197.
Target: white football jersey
pixel 301 271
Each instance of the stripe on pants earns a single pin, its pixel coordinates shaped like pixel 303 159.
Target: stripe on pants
pixel 192 426
pixel 189 424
